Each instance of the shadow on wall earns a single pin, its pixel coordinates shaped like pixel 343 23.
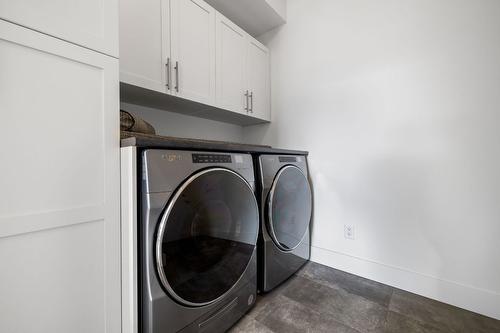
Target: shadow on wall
pixel 393 191
pixel 184 126
pixel 258 134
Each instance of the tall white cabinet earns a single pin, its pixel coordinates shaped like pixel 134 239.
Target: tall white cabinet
pixel 89 23
pixel 59 207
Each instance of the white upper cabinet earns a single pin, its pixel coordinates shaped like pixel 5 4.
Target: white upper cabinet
pixel 185 48
pixel 258 80
pixel 145 43
pixel 231 50
pixel 89 23
pixel 193 50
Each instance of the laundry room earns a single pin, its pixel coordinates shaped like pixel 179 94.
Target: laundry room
pixel 266 166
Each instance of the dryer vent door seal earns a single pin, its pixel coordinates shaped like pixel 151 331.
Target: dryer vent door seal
pixel 289 208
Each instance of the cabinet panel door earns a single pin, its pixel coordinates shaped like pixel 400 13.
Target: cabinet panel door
pixel 59 208
pixel 258 80
pixel 145 43
pixel 193 50
pixel 231 48
pixel 90 23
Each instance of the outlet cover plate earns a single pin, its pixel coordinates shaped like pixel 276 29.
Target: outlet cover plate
pixel 349 232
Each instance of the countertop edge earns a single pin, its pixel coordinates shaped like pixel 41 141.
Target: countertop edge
pixel 149 141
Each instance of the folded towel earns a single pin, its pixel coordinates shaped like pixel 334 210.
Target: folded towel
pixel 131 123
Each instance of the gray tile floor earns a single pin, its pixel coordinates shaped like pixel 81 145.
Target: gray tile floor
pixel 322 299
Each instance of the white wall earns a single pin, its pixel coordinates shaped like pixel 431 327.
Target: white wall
pixel 179 125
pixel 279 6
pixel 398 102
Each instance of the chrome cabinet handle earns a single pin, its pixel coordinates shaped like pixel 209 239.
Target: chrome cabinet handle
pixel 167 65
pixel 251 102
pixel 246 106
pixel 176 76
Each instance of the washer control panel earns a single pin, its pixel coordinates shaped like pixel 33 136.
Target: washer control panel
pixel 211 158
pixel 287 159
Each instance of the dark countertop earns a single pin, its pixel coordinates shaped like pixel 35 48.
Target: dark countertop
pixel 130 139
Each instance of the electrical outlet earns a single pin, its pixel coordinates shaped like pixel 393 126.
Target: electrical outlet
pixel 349 232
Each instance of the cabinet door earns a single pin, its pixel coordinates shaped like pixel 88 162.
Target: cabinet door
pixel 145 43
pixel 258 80
pixel 231 48
pixel 90 23
pixel 193 50
pixel 59 207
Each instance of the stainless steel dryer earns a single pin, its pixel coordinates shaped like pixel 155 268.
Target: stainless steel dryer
pixel 286 207
pixel 198 229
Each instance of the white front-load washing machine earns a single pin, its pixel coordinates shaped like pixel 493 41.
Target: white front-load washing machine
pixel 198 230
pixel 285 200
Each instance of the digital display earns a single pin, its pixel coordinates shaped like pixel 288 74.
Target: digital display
pixel 287 159
pixel 211 158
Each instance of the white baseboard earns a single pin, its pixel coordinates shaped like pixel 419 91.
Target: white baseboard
pixel 481 301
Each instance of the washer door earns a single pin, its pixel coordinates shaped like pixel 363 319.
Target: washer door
pixel 289 207
pixel 207 236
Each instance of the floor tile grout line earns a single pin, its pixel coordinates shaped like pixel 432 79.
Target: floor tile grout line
pixel 398 307
pixel 315 311
pixel 349 292
pixel 387 308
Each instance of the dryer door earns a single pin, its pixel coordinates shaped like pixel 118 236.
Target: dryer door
pixel 207 236
pixel 289 207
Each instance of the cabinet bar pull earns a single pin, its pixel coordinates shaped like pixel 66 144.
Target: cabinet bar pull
pixel 251 102
pixel 176 76
pixel 167 65
pixel 246 97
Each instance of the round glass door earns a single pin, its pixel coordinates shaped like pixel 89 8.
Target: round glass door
pixel 289 207
pixel 206 236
